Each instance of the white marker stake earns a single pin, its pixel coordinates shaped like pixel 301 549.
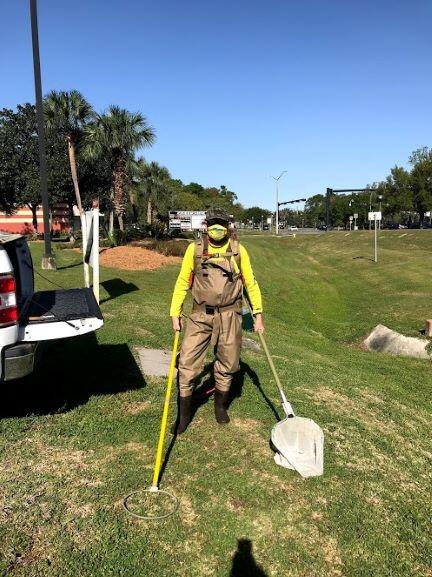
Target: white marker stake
pixel 96 251
pixel 84 249
pixel 376 240
pixel 375 216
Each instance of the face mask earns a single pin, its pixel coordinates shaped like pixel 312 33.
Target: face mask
pixel 217 232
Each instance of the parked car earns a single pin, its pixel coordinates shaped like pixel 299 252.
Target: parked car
pixel 28 318
pixel 266 227
pixel 423 224
pixel 293 228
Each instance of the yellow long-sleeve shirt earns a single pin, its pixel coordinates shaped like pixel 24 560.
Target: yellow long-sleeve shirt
pixel 182 285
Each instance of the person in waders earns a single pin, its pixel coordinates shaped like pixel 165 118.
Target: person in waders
pixel 215 268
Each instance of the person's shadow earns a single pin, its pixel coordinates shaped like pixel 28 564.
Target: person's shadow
pixel 243 562
pixel 116 287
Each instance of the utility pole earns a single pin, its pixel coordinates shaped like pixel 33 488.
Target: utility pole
pixel 48 259
pixel 277 199
pixel 328 200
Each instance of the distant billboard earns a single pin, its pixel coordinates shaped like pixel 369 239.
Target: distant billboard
pixel 186 220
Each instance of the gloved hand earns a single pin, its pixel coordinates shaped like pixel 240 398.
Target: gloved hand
pixel 176 323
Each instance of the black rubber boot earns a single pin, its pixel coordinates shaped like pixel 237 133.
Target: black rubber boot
pixel 220 407
pixel 184 416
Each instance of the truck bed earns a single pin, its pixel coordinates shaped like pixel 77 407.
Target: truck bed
pixel 62 305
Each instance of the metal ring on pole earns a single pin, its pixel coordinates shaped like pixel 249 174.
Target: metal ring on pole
pixel 154 494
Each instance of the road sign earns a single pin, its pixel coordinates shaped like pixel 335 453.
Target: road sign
pixel 187 220
pixel 269 220
pixel 374 215
pixel 355 215
pixel 351 218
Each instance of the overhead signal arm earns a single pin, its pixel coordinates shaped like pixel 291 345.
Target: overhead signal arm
pixel 331 191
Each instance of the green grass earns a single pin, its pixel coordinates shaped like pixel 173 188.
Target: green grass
pixel 81 432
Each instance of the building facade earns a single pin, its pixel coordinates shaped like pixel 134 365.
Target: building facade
pixel 21 221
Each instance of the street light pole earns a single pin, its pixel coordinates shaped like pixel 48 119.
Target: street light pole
pixel 380 205
pixel 277 207
pixel 277 199
pixel 328 201
pixel 48 259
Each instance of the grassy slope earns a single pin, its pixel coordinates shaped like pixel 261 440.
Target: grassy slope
pixel 71 447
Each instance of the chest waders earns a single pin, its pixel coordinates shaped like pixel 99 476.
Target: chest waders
pixel 217 289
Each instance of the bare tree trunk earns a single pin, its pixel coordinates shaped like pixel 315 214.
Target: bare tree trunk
pixel 33 207
pixel 132 200
pixel 119 196
pixel 111 216
pixel 149 210
pixel 71 222
pixel 74 173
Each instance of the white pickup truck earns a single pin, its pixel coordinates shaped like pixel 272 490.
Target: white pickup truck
pixel 27 318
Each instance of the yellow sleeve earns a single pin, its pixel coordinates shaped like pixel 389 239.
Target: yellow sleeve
pixel 182 284
pixel 250 282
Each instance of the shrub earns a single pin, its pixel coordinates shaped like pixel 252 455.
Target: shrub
pixel 168 247
pixel 119 237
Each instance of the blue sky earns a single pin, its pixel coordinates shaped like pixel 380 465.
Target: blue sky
pixel 334 92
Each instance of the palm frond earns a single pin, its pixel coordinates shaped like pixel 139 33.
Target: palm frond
pixel 67 111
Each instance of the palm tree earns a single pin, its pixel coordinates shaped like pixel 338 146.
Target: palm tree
pixel 118 134
pixel 154 177
pixel 68 113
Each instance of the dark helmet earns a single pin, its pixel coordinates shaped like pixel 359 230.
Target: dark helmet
pixel 218 215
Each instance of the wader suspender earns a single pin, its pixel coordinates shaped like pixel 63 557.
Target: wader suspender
pixel 201 254
pixel 204 260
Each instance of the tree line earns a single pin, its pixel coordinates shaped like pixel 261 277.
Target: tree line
pixel 405 196
pixel 91 154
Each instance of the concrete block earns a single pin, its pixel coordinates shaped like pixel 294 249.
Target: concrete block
pixel 384 340
pixel 154 362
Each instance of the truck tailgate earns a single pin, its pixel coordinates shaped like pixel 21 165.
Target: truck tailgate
pixel 60 314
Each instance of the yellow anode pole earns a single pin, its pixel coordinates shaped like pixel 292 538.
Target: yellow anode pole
pixel 161 441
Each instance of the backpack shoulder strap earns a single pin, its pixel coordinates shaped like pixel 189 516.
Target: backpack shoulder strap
pixel 201 251
pixel 235 250
pixel 198 248
pixel 205 251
